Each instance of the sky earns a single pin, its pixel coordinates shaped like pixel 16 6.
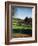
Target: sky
pixel 21 13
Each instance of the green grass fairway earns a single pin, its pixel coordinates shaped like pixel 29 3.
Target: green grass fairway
pixel 21 30
pixel 16 26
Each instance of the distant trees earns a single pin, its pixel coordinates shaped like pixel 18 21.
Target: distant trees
pixel 26 21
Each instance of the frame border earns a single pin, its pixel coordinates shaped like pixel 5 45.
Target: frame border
pixel 7 22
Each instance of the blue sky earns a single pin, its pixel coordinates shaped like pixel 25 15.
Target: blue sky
pixel 23 12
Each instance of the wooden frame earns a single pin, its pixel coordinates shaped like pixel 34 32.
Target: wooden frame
pixel 7 22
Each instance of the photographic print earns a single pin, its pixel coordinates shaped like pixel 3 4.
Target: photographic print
pixel 21 22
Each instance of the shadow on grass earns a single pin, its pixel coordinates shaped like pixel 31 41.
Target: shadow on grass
pixel 22 31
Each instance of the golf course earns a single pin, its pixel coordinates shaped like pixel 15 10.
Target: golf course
pixel 21 28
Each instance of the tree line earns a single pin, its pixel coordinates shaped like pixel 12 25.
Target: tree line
pixel 26 21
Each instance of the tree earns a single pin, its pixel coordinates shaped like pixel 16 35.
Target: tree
pixel 28 21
